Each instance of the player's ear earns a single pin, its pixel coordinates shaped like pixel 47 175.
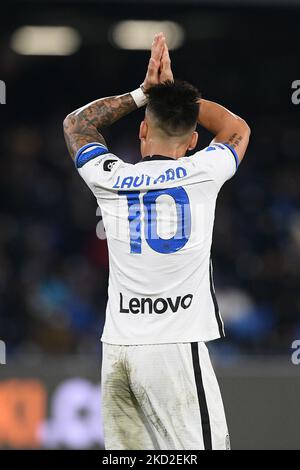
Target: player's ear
pixel 193 140
pixel 143 130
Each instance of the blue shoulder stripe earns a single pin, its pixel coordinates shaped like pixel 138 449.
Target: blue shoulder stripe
pixel 83 155
pixel 237 162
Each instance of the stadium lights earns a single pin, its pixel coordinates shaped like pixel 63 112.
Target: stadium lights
pixel 138 34
pixel 45 40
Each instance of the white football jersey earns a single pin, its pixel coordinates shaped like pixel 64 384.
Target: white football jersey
pixel 158 216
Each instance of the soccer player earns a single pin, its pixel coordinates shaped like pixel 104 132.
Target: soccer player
pixel 159 389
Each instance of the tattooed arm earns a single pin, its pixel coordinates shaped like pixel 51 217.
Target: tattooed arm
pixel 226 126
pixel 85 124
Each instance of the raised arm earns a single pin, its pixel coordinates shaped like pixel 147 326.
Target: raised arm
pixel 85 125
pixel 226 126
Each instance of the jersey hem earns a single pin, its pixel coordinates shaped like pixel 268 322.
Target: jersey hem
pixel 174 341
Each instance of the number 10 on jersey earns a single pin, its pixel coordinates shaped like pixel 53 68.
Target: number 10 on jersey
pixel 149 201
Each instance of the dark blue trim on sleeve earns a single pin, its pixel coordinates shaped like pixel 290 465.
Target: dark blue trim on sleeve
pixel 82 156
pixel 237 162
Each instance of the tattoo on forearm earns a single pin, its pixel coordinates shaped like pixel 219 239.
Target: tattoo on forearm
pixel 234 140
pixel 84 125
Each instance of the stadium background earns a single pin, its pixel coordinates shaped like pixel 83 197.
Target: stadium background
pixel 53 269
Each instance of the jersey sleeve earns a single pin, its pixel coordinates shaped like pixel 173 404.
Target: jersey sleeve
pixel 219 160
pixel 97 166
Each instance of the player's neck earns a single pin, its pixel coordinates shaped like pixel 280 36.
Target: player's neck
pixel 160 148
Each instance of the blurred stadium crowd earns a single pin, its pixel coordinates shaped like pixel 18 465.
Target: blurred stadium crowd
pixel 54 269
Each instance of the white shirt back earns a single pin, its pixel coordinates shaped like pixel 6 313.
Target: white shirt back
pixel 158 216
